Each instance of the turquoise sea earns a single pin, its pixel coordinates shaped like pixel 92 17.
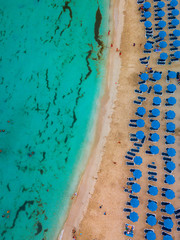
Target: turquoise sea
pixel 52 58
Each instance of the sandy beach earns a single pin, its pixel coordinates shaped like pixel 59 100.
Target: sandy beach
pixel 97 211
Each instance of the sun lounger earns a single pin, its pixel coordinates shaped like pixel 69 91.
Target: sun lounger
pixel 159 40
pixel 137 102
pixel 144 58
pixel 161 223
pixel 177 211
pixel 142 20
pixel 134 150
pixel 173 49
pixel 147 51
pixel 127 210
pixel 152 173
pixel 173 38
pixel 157 18
pixel 177 216
pixel 152 80
pixel 178 229
pixel 161 63
pixel 152 179
pixel 152 166
pixel 137 144
pixel 130 153
pixel 174 60
pixel 140 1
pixel 166 229
pixel 142 62
pixel 167 170
pixel 164 203
pixel 128 157
pixel 149 89
pixel 133 196
pixel 171 17
pixel 171 27
pixel 141 98
pixel 130 179
pixel 130 183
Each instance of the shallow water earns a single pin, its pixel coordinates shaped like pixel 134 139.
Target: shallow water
pixel 51 69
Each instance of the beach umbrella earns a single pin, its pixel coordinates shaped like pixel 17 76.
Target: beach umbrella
pixel 148 46
pixel 151 220
pixel 134 202
pixel 162 34
pixel 140 123
pixel 171 88
pixel 171 152
pixel 171 100
pixel 147 5
pixel 152 206
pixel 170 114
pixel 171 166
pixel 163 44
pixel 137 160
pixel 155 112
pixel 137 173
pixel 177 54
pixel 148 24
pixel 174 3
pixel 168 223
pixel 144 76
pixel 169 208
pixel 167 237
pixel 153 190
pixel 161 4
pixel 155 137
pixel 156 101
pixel 154 150
pixel 175 12
pixel 140 135
pixel 170 194
pixel 141 111
pixel 161 13
pixel 157 76
pixel 176 43
pixel 170 126
pixel 172 74
pixel 133 217
pixel 170 179
pixel 161 24
pixel 150 235
pixel 170 139
pixel 136 188
pixel 143 87
pixel 163 56
pixel 147 14
pixel 175 22
pixel 176 33
pixel 157 88
pixel 155 124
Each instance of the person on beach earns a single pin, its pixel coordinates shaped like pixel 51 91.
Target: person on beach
pixel 109 32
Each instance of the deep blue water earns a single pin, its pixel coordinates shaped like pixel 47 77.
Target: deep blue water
pixel 52 58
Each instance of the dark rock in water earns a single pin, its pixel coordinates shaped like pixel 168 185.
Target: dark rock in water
pixel 39 228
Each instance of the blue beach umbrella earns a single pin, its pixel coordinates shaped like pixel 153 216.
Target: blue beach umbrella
pixel 147 5
pixel 141 111
pixel 170 194
pixel 151 220
pixel 153 190
pixel 168 223
pixel 174 3
pixel 140 123
pixel 176 43
pixel 154 150
pixel 161 24
pixel 157 76
pixel 155 112
pixel 171 152
pixel 170 179
pixel 147 14
pixel 176 32
pixel 136 188
pixel 167 237
pixel 150 235
pixel 161 13
pixel 140 135
pixel 175 12
pixel 163 44
pixel 152 206
pixel 170 139
pixel 163 56
pixel 138 160
pixel 172 74
pixel 133 217
pixel 143 87
pixel 162 34
pixel 134 202
pixel 155 137
pixel 177 54
pixel 169 208
pixel 170 126
pixel 171 100
pixel 157 88
pixel 156 101
pixel 175 22
pixel 155 124
pixel 171 166
pixel 144 76
pixel 148 24
pixel 148 46
pixel 137 173
pixel 161 4
pixel 171 88
pixel 170 114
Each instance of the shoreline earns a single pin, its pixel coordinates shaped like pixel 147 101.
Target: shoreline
pixel 102 128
